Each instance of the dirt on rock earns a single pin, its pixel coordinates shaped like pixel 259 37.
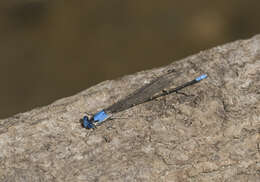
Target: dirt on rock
pixel 209 132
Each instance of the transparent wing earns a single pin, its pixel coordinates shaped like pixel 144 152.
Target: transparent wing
pixel 143 94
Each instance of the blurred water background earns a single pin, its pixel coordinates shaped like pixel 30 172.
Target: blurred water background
pixel 53 49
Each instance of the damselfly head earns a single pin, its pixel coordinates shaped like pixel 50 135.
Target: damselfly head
pixel 87 123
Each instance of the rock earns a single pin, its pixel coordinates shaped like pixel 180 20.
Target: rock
pixel 210 133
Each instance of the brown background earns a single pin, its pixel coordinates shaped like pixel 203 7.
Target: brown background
pixel 53 49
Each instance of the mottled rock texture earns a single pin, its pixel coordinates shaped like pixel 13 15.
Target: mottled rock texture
pixel 209 132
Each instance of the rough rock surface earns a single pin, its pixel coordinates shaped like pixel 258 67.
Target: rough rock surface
pixel 210 133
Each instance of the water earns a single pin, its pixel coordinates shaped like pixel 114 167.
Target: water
pixel 53 49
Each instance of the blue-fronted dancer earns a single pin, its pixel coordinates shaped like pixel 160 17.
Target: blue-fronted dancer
pixel 142 95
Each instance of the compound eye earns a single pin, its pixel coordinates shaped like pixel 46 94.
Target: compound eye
pixel 86 123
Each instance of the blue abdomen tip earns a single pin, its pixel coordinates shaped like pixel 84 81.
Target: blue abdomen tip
pixel 201 77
